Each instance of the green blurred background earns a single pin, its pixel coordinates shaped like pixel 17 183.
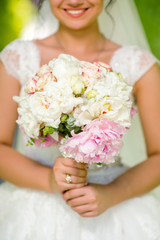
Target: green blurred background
pixel 15 14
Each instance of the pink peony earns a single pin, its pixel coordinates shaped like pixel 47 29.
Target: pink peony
pixel 49 141
pixel 99 142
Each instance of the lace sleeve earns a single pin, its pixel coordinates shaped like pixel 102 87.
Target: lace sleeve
pixel 21 59
pixel 132 62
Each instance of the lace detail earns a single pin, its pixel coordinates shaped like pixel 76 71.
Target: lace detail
pixel 132 62
pixel 21 59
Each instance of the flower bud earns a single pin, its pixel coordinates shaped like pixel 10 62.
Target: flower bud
pixel 76 84
pixel 91 94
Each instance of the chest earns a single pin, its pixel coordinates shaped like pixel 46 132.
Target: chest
pixel 47 54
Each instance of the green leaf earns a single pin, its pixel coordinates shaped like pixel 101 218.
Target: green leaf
pixel 64 118
pixel 99 164
pixel 30 143
pixel 61 127
pixel 32 139
pixel 48 130
pixel 77 129
pixel 70 123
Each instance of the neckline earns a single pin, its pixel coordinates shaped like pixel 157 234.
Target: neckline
pixel 110 61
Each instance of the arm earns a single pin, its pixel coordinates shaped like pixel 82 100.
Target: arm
pixel 143 177
pixel 146 175
pixel 17 168
pixel 14 167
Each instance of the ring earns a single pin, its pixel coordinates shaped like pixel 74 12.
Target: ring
pixel 68 178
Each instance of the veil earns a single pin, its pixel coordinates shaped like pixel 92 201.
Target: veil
pixel 125 28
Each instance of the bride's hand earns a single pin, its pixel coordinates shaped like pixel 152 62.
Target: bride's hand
pixel 90 200
pixel 68 166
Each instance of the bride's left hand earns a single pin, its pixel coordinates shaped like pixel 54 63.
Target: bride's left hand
pixel 90 200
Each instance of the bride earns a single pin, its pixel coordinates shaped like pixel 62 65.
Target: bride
pixel 115 204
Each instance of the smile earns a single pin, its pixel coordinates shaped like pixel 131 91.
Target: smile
pixel 76 12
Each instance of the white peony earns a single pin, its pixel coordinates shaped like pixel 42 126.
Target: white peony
pixel 64 95
pixel 64 66
pixel 27 120
pixel 82 115
pixel 45 109
pixel 29 124
pixel 113 109
pixel 110 86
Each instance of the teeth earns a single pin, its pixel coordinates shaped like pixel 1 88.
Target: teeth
pixel 75 11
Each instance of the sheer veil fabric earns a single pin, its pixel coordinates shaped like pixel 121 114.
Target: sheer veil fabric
pixel 125 28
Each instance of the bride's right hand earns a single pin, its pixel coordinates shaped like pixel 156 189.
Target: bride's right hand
pixel 67 166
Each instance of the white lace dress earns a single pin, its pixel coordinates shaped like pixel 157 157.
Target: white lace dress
pixel 34 215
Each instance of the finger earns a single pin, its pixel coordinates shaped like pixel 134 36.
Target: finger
pixel 74 171
pixel 89 214
pixel 75 202
pixel 70 186
pixel 83 208
pixel 74 193
pixel 77 180
pixel 70 162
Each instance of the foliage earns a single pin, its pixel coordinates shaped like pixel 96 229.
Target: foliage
pixel 14 15
pixel 149 12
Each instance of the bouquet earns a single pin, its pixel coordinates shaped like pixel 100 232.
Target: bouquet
pixel 86 107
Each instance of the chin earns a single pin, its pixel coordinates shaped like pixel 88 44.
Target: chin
pixel 77 25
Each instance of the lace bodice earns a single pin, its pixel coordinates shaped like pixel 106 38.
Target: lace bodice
pixel 22 59
pixel 132 62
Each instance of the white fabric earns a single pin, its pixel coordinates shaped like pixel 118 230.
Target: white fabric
pixel 34 215
pixel 21 59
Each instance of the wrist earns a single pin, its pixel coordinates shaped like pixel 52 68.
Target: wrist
pixel 118 192
pixel 52 185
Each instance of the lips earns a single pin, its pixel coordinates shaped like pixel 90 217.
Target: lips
pixel 76 12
